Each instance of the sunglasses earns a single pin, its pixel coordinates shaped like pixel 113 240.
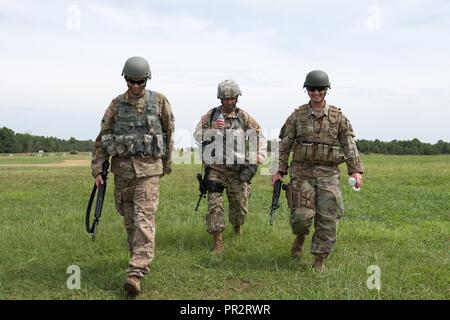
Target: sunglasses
pixel 139 82
pixel 312 89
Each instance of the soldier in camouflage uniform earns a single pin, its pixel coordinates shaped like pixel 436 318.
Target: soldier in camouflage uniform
pixel 229 163
pixel 320 137
pixel 137 132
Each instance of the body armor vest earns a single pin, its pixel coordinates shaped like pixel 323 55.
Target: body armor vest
pixel 320 146
pixel 134 133
pixel 231 151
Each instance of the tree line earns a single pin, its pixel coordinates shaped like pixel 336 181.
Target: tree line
pixel 403 147
pixel 399 147
pixel 11 142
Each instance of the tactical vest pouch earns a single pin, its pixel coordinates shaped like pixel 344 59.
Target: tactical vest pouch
pixel 129 142
pixel 107 141
pixel 319 153
pixel 148 140
pixel 154 124
pixel 335 156
pixel 158 146
pixel 326 150
pixel 126 145
pixel 154 145
pixel 305 152
pixel 120 145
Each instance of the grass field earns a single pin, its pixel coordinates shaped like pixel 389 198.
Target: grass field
pixel 400 222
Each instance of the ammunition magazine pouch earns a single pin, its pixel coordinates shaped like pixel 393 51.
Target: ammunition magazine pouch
pixel 152 145
pixel 319 153
pixel 214 186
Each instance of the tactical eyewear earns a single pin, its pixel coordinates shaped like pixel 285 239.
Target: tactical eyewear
pixel 312 89
pixel 139 82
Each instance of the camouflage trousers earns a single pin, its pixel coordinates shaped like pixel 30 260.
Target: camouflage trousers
pixel 238 194
pixel 317 199
pixel 137 201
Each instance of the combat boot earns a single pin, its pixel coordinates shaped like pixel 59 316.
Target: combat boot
pixel 218 243
pixel 318 262
pixel 132 285
pixel 297 246
pixel 237 230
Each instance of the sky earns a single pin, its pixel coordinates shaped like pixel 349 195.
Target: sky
pixel 388 61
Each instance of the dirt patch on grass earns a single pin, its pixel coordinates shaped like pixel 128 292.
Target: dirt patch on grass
pixel 64 163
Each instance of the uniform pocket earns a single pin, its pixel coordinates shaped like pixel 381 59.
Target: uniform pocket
pixel 119 202
pixel 307 199
pixel 289 195
pixel 331 201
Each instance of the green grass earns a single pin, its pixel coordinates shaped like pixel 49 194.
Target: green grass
pixel 27 159
pixel 400 221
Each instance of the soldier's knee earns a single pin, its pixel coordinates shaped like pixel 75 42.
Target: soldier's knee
pixel 330 203
pixel 301 220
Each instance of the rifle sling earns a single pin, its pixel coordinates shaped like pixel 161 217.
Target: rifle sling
pixel 98 207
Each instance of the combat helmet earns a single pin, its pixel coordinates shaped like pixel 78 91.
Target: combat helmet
pixel 228 89
pixel 137 68
pixel 317 78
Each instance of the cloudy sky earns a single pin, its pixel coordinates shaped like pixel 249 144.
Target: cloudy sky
pixel 388 61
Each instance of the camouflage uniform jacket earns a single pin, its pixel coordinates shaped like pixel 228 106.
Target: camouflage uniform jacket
pixel 249 122
pixel 291 133
pixel 134 166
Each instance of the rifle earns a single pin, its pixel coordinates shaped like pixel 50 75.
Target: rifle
pixel 202 186
pixel 98 202
pixel 275 198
